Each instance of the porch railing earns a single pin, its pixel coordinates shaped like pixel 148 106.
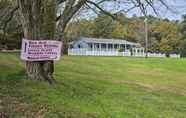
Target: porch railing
pixel 86 52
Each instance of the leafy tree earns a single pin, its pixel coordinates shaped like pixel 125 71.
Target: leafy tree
pixel 165 47
pixel 166 33
pixel 182 29
pixel 103 26
pixel 119 31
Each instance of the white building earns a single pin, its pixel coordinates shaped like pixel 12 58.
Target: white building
pixel 109 47
pixel 104 47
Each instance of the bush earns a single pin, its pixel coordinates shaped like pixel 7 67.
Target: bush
pixel 121 50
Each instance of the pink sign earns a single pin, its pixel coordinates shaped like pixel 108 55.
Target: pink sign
pixel 40 50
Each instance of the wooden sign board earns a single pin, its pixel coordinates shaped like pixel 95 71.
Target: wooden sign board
pixel 40 50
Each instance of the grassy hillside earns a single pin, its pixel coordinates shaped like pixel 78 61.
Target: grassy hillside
pixel 96 87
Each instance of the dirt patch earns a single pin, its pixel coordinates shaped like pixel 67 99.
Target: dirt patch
pixel 15 107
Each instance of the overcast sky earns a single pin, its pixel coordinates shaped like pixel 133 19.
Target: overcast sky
pixel 178 8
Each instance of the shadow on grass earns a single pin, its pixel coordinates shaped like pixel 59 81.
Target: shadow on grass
pixel 16 96
pixel 26 98
pixel 8 91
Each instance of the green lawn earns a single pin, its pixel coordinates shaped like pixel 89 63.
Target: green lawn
pixel 96 87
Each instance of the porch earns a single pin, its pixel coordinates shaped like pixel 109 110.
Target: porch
pixel 135 53
pixel 106 52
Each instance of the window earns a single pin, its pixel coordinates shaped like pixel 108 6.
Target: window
pixel 79 46
pixel 97 45
pixel 90 45
pixel 110 46
pixel 115 46
pixel 71 46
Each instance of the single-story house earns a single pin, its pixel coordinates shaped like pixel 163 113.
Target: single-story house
pixel 95 44
pixel 84 46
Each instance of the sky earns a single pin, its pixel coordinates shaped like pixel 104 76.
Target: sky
pixel 177 9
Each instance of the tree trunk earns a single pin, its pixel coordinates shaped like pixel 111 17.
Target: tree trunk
pixel 38 21
pixel 41 70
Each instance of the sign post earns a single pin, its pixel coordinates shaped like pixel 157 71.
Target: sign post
pixel 40 50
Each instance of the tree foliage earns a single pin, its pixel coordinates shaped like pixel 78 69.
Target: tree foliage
pixel 182 29
pixel 164 35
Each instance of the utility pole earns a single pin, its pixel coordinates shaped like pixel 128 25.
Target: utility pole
pixel 146 37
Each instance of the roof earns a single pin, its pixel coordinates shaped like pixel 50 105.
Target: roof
pixel 103 40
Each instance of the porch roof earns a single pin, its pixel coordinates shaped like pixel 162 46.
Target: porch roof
pixel 110 41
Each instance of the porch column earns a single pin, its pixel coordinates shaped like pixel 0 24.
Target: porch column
pixel 143 51
pixel 100 46
pixel 125 47
pixel 119 46
pixel 106 46
pixel 95 48
pixel 92 46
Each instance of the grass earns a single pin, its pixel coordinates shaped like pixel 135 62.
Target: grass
pixel 96 87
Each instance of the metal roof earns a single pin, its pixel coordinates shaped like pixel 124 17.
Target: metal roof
pixel 103 40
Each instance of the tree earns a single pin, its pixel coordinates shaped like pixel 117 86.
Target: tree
pixel 182 29
pixel 103 26
pixel 38 19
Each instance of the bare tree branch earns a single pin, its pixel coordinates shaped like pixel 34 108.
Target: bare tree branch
pixel 11 15
pixel 60 1
pixel 71 8
pixel 102 10
pixel 168 7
